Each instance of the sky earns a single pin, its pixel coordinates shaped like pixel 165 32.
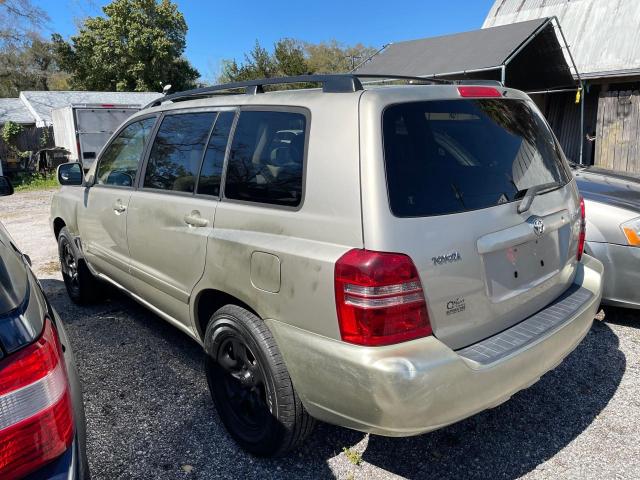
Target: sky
pixel 227 30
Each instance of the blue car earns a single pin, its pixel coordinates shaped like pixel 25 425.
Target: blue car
pixel 42 423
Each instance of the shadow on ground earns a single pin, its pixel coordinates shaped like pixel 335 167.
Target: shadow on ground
pixel 149 412
pixel 626 317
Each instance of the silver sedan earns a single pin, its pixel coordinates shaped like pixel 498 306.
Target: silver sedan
pixel 612 202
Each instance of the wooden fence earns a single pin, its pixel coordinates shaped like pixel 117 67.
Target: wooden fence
pixel 618 131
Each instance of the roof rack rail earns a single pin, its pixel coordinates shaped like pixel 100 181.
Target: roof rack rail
pixel 331 83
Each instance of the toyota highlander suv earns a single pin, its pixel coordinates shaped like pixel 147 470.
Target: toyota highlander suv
pixel 387 257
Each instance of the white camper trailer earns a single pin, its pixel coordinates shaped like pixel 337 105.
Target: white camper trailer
pixel 83 129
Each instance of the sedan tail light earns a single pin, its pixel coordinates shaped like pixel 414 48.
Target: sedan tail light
pixel 379 298
pixel 36 418
pixel 583 230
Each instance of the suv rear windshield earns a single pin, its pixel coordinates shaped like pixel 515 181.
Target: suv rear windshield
pixel 452 156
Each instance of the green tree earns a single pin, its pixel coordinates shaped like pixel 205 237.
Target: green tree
pixel 27 61
pixel 293 57
pixel 334 57
pixel 136 46
pixel 289 56
pixel 32 65
pixel 258 63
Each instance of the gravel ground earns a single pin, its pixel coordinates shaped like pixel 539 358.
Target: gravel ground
pixel 149 413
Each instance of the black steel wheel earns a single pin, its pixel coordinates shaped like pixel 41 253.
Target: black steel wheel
pixel 242 382
pixel 250 385
pixel 69 266
pixel 81 285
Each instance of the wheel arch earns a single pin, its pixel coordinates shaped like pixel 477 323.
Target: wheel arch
pixel 58 224
pixel 208 301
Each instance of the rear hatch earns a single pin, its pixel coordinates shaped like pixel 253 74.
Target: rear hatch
pixel 456 171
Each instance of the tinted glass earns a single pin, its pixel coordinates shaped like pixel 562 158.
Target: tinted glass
pixel 177 151
pixel 451 156
pixel 266 158
pixel 119 162
pixel 209 183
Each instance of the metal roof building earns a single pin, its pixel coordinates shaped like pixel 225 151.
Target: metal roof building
pixel 604 39
pixel 32 110
pixel 34 107
pixel 507 53
pixel 40 103
pixel 12 109
pixel 604 35
pixel 579 59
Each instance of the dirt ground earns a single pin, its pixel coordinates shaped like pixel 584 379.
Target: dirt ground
pixel 149 413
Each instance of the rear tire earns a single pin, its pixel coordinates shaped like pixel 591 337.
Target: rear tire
pixel 82 286
pixel 250 384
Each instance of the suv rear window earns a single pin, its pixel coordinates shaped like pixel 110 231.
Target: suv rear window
pixel 452 156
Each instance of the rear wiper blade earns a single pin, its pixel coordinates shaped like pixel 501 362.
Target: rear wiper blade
pixel 530 193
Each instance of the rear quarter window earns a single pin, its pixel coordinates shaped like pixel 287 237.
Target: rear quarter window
pixel 266 158
pixel 452 156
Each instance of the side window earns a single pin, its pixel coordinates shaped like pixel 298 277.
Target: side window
pixel 209 182
pixel 266 158
pixel 119 163
pixel 177 151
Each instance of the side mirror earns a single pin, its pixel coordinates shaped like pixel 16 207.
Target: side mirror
pixel 70 174
pixel 5 187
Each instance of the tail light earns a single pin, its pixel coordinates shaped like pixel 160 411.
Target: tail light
pixel 36 419
pixel 479 92
pixel 379 298
pixel 583 230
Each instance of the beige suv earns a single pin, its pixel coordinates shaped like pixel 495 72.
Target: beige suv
pixel 389 258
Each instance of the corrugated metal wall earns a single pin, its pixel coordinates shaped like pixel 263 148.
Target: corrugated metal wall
pixel 603 35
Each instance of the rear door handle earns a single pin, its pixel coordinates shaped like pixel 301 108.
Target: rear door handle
pixel 194 219
pixel 118 207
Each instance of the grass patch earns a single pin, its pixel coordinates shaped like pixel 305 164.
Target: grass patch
pixel 353 456
pixel 25 182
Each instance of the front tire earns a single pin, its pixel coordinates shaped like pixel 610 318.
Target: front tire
pixel 250 384
pixel 81 285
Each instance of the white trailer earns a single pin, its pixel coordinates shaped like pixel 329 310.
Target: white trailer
pixel 83 129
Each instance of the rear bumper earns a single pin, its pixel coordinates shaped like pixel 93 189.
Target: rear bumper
pixel 68 466
pixel 422 385
pixel 621 273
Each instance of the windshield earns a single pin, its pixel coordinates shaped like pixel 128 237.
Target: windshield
pixel 456 155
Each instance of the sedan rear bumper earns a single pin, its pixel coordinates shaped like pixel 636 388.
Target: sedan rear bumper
pixel 421 385
pixel 621 273
pixel 67 466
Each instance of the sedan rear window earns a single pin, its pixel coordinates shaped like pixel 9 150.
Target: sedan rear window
pixel 452 156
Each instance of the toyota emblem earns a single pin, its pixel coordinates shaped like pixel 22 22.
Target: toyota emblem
pixel 538 227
